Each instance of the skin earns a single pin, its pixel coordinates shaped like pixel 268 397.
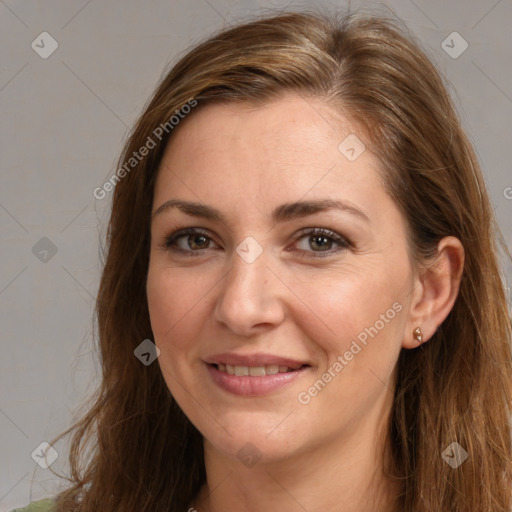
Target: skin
pixel 245 161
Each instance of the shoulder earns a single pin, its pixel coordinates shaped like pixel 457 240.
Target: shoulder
pixel 46 505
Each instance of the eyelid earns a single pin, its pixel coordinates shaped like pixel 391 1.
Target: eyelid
pixel 342 241
pixel 179 232
pixel 314 230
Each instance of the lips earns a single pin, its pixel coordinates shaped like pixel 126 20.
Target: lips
pixel 253 375
pixel 253 371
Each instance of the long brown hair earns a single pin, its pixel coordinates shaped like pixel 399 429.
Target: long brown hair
pixel 135 450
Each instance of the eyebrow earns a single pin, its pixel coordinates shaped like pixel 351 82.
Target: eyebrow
pixel 283 213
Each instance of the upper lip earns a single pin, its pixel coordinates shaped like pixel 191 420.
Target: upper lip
pixel 254 360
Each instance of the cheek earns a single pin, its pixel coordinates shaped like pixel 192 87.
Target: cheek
pixel 176 306
pixel 172 303
pixel 357 325
pixel 341 308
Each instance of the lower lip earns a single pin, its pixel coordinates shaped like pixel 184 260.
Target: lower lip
pixel 253 386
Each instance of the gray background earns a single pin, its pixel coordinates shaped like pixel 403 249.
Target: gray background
pixel 63 122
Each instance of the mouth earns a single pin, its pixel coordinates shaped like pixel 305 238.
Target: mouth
pixel 254 375
pixel 256 371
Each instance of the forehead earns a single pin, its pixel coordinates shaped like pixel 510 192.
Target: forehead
pixel 281 151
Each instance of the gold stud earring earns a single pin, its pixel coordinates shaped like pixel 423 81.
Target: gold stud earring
pixel 418 335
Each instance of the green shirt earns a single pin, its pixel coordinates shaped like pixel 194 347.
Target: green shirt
pixel 38 506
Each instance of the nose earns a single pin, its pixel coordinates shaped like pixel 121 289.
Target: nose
pixel 249 300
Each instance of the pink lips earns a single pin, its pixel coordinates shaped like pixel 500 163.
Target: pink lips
pixel 248 385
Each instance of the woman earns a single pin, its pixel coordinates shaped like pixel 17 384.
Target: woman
pixel 302 228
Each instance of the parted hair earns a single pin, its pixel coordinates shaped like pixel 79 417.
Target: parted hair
pixel 135 451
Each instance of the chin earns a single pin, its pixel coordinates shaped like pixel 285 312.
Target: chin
pixel 253 446
pixel 280 437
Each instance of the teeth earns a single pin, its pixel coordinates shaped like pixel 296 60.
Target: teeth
pixel 241 371
pixel 272 369
pixel 253 371
pixel 257 371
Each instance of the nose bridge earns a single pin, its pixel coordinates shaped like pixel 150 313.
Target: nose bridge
pixel 248 297
pixel 246 280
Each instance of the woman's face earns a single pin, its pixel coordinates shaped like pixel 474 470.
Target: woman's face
pixel 279 279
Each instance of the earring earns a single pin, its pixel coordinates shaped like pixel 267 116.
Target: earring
pixel 418 335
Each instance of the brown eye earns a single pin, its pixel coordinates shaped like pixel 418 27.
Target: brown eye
pixel 190 240
pixel 320 243
pixel 197 241
pixel 319 240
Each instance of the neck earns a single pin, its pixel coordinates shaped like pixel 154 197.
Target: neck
pixel 345 473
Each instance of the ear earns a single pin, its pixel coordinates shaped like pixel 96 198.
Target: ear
pixel 435 290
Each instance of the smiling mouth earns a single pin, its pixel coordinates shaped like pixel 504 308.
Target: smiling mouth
pixel 255 371
pixel 255 375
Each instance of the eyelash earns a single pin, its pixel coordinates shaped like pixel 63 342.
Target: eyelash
pixel 342 242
